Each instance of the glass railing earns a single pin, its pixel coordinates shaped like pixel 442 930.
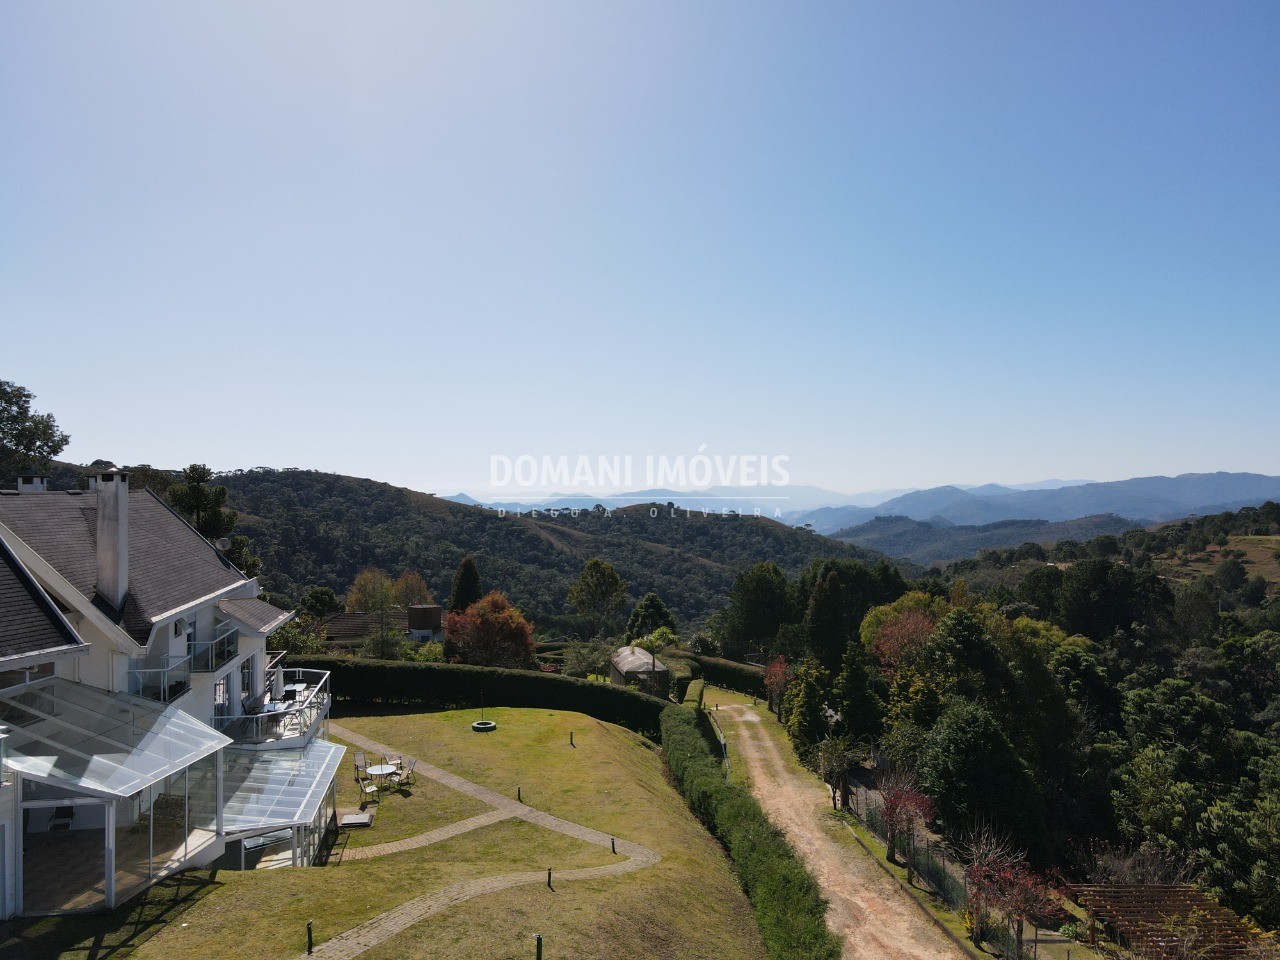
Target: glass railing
pixel 304 701
pixel 163 679
pixel 209 655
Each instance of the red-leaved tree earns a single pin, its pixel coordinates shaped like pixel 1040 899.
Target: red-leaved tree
pixel 490 633
pixel 904 806
pixel 1011 889
pixel 899 639
pixel 777 676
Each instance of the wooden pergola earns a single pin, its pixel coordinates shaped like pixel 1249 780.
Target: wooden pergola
pixel 1165 921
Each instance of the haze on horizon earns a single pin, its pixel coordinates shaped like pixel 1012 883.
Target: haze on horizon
pixel 903 244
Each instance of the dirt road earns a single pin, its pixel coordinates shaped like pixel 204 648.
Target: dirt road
pixel 876 920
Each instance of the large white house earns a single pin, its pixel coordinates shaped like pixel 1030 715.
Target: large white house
pixel 144 726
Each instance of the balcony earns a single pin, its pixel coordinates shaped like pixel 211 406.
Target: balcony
pixel 162 679
pixel 207 655
pixel 289 720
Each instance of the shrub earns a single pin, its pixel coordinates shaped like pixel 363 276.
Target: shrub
pixel 445 686
pixel 743 677
pixel 693 694
pixel 681 674
pixel 789 909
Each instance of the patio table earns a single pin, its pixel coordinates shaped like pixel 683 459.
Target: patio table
pixel 381 770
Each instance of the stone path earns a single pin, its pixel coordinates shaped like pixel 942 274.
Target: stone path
pixel 359 939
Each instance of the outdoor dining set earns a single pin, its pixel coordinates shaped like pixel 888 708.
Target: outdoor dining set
pixel 390 774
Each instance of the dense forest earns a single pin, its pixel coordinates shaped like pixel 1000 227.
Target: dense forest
pixel 319 529
pixel 939 541
pixel 1084 703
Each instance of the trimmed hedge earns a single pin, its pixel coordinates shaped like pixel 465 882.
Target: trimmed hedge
pixel 448 686
pixel 681 673
pixel 744 677
pixel 693 695
pixel 789 908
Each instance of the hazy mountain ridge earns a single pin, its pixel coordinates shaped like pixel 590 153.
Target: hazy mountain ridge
pixel 1145 499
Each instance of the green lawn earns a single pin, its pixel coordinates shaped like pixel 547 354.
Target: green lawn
pixel 398 814
pixel 688 905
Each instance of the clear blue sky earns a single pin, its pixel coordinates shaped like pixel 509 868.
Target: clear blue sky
pixel 901 244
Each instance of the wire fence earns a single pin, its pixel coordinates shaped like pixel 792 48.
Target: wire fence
pixel 940 871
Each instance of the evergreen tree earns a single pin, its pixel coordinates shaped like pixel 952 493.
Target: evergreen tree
pixel 649 614
pixel 201 504
pixel 855 699
pixel 826 623
pixel 466 585
pixel 599 592
pixel 806 707
pixel 759 603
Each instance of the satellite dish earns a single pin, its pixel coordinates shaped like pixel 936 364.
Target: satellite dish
pixel 223 543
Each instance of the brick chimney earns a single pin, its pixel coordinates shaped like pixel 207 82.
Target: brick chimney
pixel 112 487
pixel 33 483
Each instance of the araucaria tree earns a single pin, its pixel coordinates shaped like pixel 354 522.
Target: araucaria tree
pixel 28 440
pixel 491 633
pixel 466 585
pixel 202 504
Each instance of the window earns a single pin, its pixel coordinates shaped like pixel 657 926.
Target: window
pixel 222 698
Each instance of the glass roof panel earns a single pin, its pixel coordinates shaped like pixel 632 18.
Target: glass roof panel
pixel 99 742
pixel 276 788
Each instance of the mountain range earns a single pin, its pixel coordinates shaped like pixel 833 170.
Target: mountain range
pixel 1144 500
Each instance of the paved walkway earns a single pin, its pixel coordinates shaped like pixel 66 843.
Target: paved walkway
pixel 368 935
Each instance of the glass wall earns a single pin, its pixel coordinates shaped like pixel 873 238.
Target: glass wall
pixel 64 850
pixel 168 822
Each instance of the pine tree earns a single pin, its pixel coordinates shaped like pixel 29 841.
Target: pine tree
pixel 826 623
pixel 649 614
pixel 466 585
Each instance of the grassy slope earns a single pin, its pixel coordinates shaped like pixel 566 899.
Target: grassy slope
pixel 689 905
pixel 1259 560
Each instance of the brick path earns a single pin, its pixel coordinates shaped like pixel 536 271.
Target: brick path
pixel 359 939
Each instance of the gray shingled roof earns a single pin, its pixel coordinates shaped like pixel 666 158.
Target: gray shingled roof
pixel 257 614
pixel 170 565
pixel 29 623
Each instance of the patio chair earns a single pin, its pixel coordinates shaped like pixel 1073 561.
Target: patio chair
pixel 369 789
pixel 397 762
pixel 360 765
pixel 402 778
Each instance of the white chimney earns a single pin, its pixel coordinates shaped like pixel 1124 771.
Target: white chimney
pixel 112 487
pixel 33 483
